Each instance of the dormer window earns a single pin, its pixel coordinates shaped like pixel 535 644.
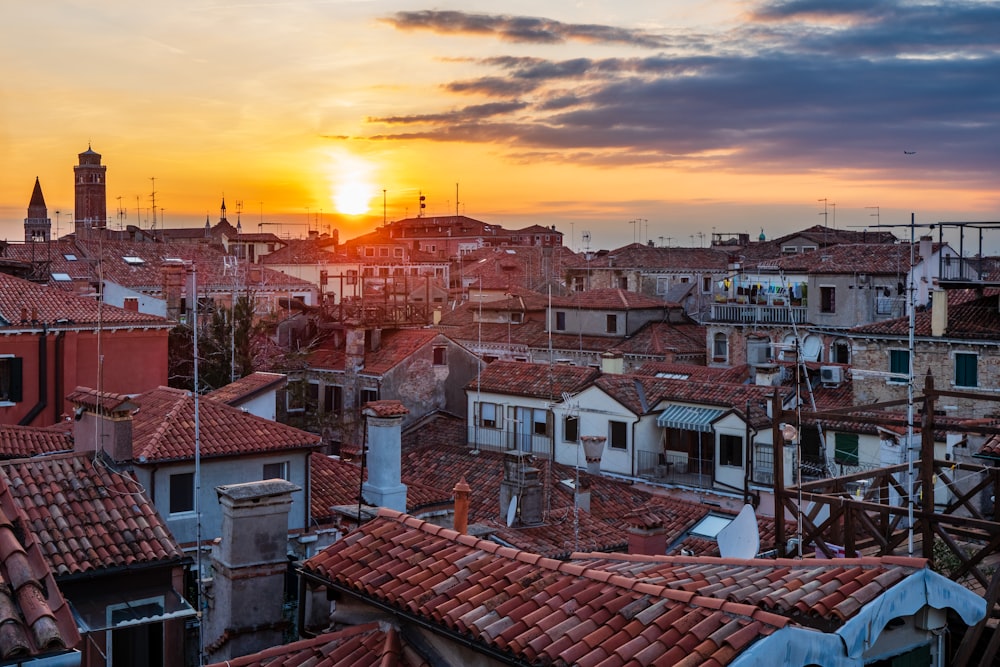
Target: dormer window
pixel 133 261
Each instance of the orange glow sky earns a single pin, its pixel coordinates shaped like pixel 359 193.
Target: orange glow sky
pixel 687 116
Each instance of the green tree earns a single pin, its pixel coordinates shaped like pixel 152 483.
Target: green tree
pixel 225 336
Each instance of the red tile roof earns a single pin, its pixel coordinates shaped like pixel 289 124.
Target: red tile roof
pixel 871 258
pixel 370 644
pixel 32 303
pixel 640 256
pixel 247 387
pixel 385 408
pixel 969 317
pixel 396 347
pixel 21 441
pixel 335 483
pixel 535 380
pixel 87 516
pixel 163 429
pixel 537 610
pixel 609 299
pixel 306 251
pixel 731 375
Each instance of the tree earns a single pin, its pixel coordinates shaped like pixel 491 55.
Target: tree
pixel 225 336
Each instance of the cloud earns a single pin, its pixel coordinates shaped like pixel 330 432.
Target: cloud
pixel 520 28
pixel 802 85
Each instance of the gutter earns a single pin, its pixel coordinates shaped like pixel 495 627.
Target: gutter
pixel 43 379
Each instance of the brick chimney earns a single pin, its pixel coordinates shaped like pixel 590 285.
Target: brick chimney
pixel 174 275
pixel 462 493
pixel 103 423
pixel 646 534
pixel 384 487
pixel 249 564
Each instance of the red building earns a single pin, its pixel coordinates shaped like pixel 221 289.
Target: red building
pixel 51 341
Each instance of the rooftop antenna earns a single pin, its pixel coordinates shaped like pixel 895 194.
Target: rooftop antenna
pixel 122 213
pixel 456 200
pixel 152 195
pixel 824 214
pixel 878 219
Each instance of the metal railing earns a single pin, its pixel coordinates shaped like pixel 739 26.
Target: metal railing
pixel 675 468
pixel 760 314
pixel 500 440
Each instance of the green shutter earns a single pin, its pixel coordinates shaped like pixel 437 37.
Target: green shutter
pixel 966 371
pixel 846 448
pixel 899 362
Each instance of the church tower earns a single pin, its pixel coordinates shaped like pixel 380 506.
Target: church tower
pixel 37 226
pixel 91 193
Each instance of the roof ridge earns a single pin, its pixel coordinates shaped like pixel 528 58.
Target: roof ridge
pixel 168 419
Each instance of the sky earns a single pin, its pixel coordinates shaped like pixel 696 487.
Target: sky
pixel 644 120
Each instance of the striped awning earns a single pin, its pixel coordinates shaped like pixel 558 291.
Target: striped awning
pixel 689 418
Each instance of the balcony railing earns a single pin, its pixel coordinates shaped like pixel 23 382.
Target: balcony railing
pixel 675 468
pixel 758 314
pixel 500 440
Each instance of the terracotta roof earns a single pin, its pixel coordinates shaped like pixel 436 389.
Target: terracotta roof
pixel 385 408
pixel 734 374
pixel 396 346
pixel 334 482
pixel 370 644
pixel 23 303
pixel 828 589
pixel 609 299
pixel 533 609
pixel 106 400
pixel 657 339
pixel 640 256
pixel 21 441
pixel 247 387
pixel 870 258
pixel 830 236
pixel 535 380
pixel 642 394
pixel 86 516
pixel 36 617
pixel 163 429
pixel 306 251
pixel 969 317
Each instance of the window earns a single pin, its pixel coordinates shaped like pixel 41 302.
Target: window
pixel 540 422
pixel 368 395
pixel 369 252
pixel 623 282
pixel 899 364
pixel 966 369
pixel 352 277
pixel 333 399
pixel 827 299
pixel 571 429
pixel 612 323
pixel 182 492
pixel 10 379
pixel 312 396
pixel 276 470
pixel 730 450
pixel 397 252
pixel 841 352
pixel 440 356
pixel 383 252
pixel 720 347
pixel 706 284
pixel 846 448
pixel 294 397
pixel 560 320
pixel 488 415
pixel 617 435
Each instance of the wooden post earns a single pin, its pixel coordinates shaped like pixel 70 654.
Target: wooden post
pixel 927 471
pixel 779 474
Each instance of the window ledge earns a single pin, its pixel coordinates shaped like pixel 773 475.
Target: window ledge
pixel 7 404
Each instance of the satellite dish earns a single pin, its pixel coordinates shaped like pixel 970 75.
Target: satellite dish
pixel 511 511
pixel 740 539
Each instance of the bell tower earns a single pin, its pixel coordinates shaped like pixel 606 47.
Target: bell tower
pixel 37 226
pixel 91 193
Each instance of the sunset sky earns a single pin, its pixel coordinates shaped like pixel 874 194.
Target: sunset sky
pixel 631 120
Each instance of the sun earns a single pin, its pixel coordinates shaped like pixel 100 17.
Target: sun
pixel 350 180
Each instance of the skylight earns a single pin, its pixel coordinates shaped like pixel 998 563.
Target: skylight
pixel 674 376
pixel 70 258
pixel 62 277
pixel 133 260
pixel 710 526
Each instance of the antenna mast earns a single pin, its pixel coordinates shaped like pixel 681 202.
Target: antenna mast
pixel 152 196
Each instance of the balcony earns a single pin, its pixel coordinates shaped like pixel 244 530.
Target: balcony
pixel 675 468
pixel 500 440
pixel 749 313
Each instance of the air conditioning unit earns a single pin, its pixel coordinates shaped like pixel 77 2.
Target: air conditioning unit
pixel 831 374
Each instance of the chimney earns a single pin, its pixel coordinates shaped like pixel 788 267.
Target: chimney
pixel 462 493
pixel 767 375
pixel 384 487
pixel 249 564
pixel 583 494
pixel 646 534
pixel 103 423
pixel 521 489
pixel 593 450
pixel 939 313
pixel 354 349
pixel 612 362
pixel 174 275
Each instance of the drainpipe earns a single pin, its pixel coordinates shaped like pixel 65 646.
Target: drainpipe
pixel 59 390
pixel 43 380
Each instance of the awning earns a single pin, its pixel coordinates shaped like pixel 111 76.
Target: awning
pixel 689 418
pixel 117 609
